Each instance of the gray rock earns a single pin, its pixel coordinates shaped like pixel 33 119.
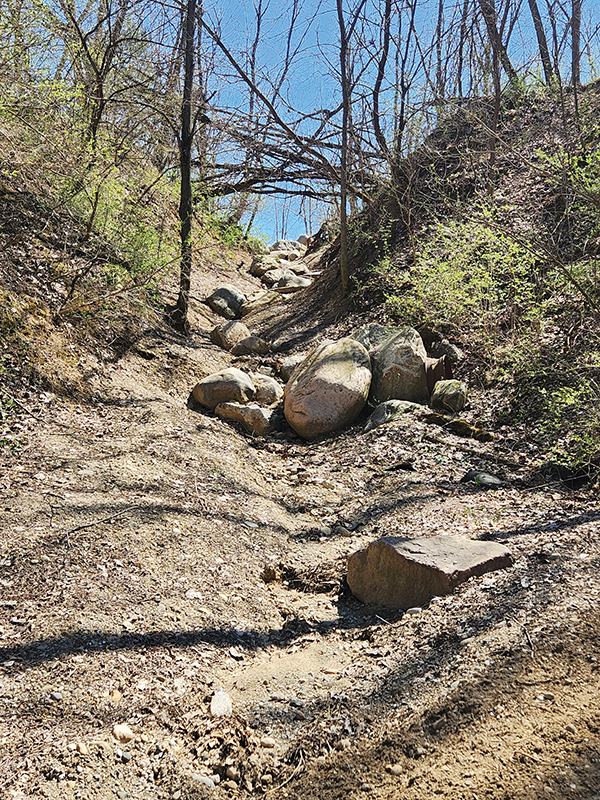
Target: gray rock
pixel 449 395
pixel 291 283
pixel 289 364
pixel 226 301
pixel 271 277
pixel 329 389
pixel 228 334
pixel 389 411
pixel 486 480
pixel 268 390
pixel 257 420
pixel 445 348
pixel 229 385
pixel 262 264
pixel 249 345
pixel 303 239
pixel 260 302
pixel 373 335
pixel 404 573
pixel 286 245
pixel 399 368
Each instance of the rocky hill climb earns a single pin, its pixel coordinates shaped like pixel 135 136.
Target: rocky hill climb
pixel 184 521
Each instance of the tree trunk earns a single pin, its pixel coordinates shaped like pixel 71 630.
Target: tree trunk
pixel 491 22
pixel 542 42
pixel 344 269
pixel 576 43
pixel 178 316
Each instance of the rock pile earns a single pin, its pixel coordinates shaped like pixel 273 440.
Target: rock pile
pixel 328 387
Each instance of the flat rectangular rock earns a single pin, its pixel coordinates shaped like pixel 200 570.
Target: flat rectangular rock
pixel 398 572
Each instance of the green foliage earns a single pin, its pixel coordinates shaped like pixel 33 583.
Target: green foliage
pixel 232 235
pixel 467 276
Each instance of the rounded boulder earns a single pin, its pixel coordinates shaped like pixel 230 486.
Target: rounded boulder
pixel 329 389
pixel 230 385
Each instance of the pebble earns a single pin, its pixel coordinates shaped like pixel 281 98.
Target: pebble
pixel 56 696
pixel 299 715
pixel 122 794
pixel 208 782
pixel 126 757
pixel 232 773
pixel 221 705
pixel 82 748
pixel 365 787
pixel 571 728
pixel 396 769
pixel 278 696
pixel 267 741
pixel 123 733
pixel 415 610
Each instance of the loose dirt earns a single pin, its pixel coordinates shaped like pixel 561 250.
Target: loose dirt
pixel 135 536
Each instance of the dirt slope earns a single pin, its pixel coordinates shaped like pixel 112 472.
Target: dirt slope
pixel 134 535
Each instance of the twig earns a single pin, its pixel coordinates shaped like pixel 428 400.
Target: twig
pixel 96 522
pixel 526 632
pixel 287 780
pixel 18 403
pixel 387 622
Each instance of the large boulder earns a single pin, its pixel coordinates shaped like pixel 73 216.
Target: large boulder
pixel 449 395
pixel 226 301
pixel 389 411
pixel 329 389
pixel 229 385
pixel 403 573
pixel 373 335
pixel 228 334
pixel 268 390
pixel 257 420
pixel 399 368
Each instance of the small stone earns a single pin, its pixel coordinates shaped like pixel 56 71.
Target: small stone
pixel 267 741
pixel 277 696
pixel 122 794
pixel 267 778
pixel 365 787
pixel 70 784
pixel 571 728
pixel 56 696
pixel 123 733
pixel 203 779
pixel 396 769
pixel 82 748
pixel 126 757
pixel 176 795
pixel 415 610
pixel 221 705
pixel 232 773
pixel 299 715
pixel 116 696
pixel 548 696
pixel 230 785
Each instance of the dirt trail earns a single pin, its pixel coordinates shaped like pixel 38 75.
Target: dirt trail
pixel 134 535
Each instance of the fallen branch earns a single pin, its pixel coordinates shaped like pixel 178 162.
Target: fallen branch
pixel 96 522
